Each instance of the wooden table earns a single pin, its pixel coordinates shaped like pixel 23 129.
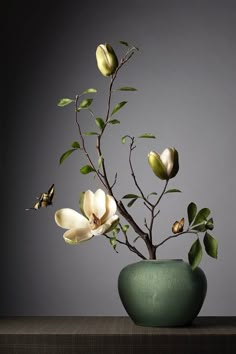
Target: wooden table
pixel 114 335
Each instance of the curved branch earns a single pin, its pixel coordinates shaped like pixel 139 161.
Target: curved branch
pixel 174 236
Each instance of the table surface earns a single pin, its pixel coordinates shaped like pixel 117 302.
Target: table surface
pixel 114 335
pixel 107 325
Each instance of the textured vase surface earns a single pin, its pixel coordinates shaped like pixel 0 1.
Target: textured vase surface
pixel 162 293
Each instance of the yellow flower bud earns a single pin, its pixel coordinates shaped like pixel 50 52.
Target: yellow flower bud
pixel 107 61
pixel 178 226
pixel 166 165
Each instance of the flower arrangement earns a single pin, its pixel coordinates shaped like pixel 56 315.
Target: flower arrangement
pixel 99 210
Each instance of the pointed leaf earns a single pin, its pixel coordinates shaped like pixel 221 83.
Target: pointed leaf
pixel 100 123
pixel 86 169
pixel 200 227
pixel 195 254
pixel 114 121
pixel 131 202
pixel 192 211
pixel 147 136
pixel 90 133
pixel 65 155
pixel 130 196
pixel 113 243
pixel 124 43
pixel 115 231
pixel 211 245
pixel 64 102
pixel 127 88
pixel 125 227
pixel 210 224
pixel 86 103
pixel 202 215
pixel 118 107
pixel 75 145
pixel 123 139
pixel 153 193
pixel 173 191
pixel 89 90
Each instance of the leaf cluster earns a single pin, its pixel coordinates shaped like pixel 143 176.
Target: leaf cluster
pixel 201 222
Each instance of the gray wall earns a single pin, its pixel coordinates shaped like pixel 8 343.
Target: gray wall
pixel 185 73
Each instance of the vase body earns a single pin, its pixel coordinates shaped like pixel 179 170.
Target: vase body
pixel 162 293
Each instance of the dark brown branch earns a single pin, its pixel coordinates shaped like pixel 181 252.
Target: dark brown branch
pixel 174 236
pixel 131 248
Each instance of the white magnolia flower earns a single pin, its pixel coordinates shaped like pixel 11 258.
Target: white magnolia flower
pixel 99 210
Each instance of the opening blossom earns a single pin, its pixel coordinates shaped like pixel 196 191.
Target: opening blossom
pixel 166 165
pixel 99 210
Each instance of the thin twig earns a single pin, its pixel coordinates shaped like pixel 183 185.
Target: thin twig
pixel 131 148
pixel 175 235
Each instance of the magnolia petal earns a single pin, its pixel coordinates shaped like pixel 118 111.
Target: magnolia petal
pixel 111 208
pixel 77 235
pixel 88 203
pixel 108 226
pixel 99 203
pixel 68 219
pixel 167 157
pixel 175 168
pixel 157 165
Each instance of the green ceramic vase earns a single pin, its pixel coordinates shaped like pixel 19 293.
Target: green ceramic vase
pixel 162 293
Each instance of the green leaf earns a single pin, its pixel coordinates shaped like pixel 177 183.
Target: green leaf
pixel 124 43
pixel 123 139
pixel 65 155
pixel 173 191
pixel 192 211
pixel 153 193
pixel 100 161
pixel 127 88
pixel 130 196
pixel 86 169
pixel 118 107
pixel 114 121
pixel 64 102
pixel 86 103
pixel 75 145
pixel 89 90
pixel 211 245
pixel 113 243
pixel 100 123
pixel 202 215
pixel 90 133
pixel 131 202
pixel 115 231
pixel 195 254
pixel 200 227
pixel 210 224
pixel 125 227
pixel 147 136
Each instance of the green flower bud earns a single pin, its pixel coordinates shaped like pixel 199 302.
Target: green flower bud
pixel 166 165
pixel 107 61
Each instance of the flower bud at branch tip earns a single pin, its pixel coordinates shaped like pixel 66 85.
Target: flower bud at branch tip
pixel 107 61
pixel 166 165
